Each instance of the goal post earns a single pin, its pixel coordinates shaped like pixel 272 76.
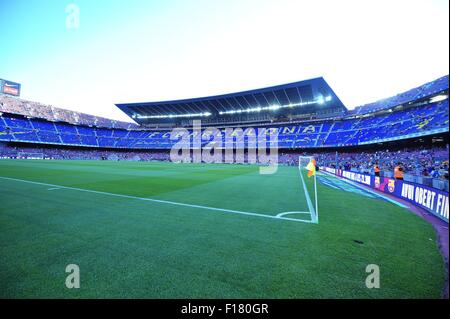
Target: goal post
pixel 30 155
pixel 307 168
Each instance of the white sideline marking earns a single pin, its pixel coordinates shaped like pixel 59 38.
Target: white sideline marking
pixel 52 189
pixel 308 199
pixel 328 184
pixel 156 200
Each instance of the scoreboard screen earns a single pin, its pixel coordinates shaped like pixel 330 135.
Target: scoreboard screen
pixel 8 87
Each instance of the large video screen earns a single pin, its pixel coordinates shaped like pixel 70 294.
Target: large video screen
pixel 8 87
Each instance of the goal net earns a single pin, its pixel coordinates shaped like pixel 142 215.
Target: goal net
pixel 30 155
pixel 307 169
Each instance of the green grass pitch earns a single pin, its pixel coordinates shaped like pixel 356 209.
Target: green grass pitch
pixel 131 248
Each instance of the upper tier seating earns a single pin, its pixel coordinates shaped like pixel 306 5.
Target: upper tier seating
pixel 420 120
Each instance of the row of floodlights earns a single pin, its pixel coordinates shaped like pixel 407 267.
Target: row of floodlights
pixel 170 116
pixel 274 107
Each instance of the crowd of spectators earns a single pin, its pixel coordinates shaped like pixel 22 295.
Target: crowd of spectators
pixel 36 151
pixel 422 91
pixel 10 104
pixel 427 162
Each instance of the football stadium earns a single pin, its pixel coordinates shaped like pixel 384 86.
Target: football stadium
pixel 199 226
pixel 278 192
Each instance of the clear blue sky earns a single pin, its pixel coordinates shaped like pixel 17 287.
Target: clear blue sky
pixel 136 50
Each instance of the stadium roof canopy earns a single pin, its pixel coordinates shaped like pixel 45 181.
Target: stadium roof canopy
pixel 304 97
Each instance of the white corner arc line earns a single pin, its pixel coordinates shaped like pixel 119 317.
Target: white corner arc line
pixel 288 213
pixel 156 200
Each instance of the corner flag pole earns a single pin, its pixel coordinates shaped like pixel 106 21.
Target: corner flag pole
pixel 315 195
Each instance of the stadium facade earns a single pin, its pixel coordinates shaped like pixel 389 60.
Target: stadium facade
pixel 302 121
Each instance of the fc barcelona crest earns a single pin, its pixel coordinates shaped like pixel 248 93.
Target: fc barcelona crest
pixel 391 185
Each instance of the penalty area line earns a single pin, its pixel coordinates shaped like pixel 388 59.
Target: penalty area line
pixel 155 200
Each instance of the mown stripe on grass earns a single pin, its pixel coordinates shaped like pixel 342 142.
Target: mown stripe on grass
pixel 156 200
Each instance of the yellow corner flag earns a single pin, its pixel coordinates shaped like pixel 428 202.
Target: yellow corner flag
pixel 311 167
